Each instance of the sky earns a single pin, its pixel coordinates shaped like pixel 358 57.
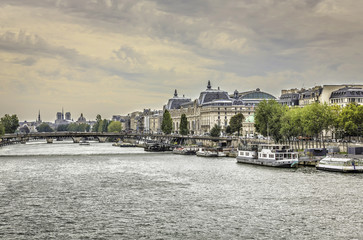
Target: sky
pixel 113 57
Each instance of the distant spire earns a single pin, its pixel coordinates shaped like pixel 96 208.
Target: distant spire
pixel 39 119
pixel 209 86
pixel 175 93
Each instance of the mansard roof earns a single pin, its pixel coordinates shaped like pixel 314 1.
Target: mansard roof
pixel 347 92
pixel 214 97
pixel 175 102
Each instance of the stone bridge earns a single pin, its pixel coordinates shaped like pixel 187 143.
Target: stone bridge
pixel 102 137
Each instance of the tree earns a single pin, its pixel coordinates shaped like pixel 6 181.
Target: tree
pixel 215 131
pixel 62 128
pixel 10 123
pixel 335 125
pixel 351 119
pixel 291 124
pixel 235 123
pixel 97 124
pixel 268 119
pixel 114 126
pixel 2 129
pixel 167 124
pixel 229 130
pixel 103 125
pixel 44 127
pixel 73 127
pixel 83 127
pixel 184 125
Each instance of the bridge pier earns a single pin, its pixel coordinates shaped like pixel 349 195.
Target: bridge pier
pixel 49 140
pixel 76 139
pixel 102 139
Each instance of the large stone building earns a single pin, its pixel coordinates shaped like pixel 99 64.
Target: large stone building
pixel 214 106
pixel 346 95
pixel 321 94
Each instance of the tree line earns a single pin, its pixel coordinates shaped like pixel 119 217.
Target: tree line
pixel 10 123
pixel 313 121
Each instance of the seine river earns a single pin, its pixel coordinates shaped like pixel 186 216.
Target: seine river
pixel 67 191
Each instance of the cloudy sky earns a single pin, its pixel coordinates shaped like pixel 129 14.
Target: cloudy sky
pixel 118 56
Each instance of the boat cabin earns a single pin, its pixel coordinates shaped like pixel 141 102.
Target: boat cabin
pixel 277 152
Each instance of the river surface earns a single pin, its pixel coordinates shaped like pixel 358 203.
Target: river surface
pixel 67 191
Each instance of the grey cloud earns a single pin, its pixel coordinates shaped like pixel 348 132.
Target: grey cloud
pixel 279 33
pixel 29 61
pixel 35 46
pixel 31 44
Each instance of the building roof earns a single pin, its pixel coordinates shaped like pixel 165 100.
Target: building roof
pixel 175 102
pixel 255 94
pixel 214 97
pixel 347 92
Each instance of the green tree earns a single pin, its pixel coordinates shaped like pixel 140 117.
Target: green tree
pixel 10 123
pixel 215 131
pixel 114 126
pixel 235 123
pixel 44 127
pixel 351 119
pixel 184 125
pixel 83 127
pixel 229 130
pixel 2 129
pixel 73 127
pixel 316 117
pixel 95 127
pixel 335 124
pixel 268 119
pixel 62 128
pixel 291 124
pixel 167 124
pixel 103 125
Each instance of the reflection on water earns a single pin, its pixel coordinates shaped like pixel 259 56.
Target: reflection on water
pixel 68 191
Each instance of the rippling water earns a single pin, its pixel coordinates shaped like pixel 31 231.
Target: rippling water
pixel 68 191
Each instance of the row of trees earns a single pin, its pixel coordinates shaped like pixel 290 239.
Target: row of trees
pixel 311 121
pixel 106 125
pixel 100 126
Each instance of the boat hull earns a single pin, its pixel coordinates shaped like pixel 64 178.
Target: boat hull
pixel 207 154
pixel 255 161
pixel 340 169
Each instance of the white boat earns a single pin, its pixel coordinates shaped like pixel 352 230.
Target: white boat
pixel 269 155
pixel 339 163
pixel 207 152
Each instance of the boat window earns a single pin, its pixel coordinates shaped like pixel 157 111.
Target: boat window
pixel 247 154
pixel 264 155
pixel 271 156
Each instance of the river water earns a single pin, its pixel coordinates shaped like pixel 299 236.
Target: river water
pixel 67 191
